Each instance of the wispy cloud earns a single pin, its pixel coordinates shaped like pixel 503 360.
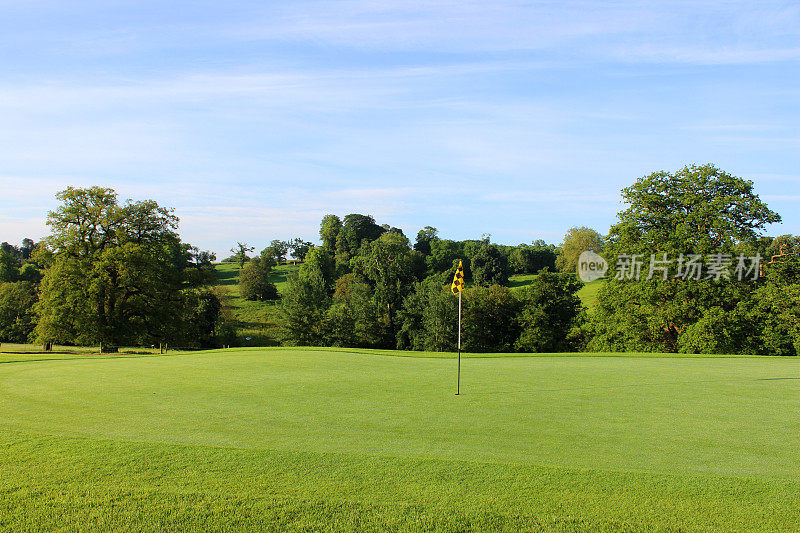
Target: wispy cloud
pixel 255 119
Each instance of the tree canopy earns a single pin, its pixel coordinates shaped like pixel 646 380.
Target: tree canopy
pixel 116 273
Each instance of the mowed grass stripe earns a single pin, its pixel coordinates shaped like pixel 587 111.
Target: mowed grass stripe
pixel 732 416
pixel 95 484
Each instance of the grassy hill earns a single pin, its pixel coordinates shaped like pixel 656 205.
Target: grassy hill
pixel 256 320
pixel 588 294
pixel 343 440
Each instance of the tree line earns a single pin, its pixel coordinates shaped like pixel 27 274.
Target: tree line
pixel 367 286
pixel 119 274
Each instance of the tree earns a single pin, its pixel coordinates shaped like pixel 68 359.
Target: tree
pixel 299 248
pixel 26 250
pixel 525 259
pixel 489 266
pixel 203 320
pixel 304 306
pixel 696 210
pixel 240 252
pixel 276 251
pixel 576 241
pixel 17 316
pixel 254 283
pixel 489 319
pixel 429 317
pixel 443 254
pixel 329 230
pixel 201 269
pixel 355 229
pixel 320 263
pixel 550 311
pixel 115 274
pixel 355 318
pixel 9 266
pixel 424 238
pixel 775 314
pixel 387 265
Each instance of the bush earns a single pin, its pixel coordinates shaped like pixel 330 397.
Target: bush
pixel 550 313
pixel 254 281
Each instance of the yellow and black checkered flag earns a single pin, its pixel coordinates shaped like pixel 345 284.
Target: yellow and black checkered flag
pixel 458 280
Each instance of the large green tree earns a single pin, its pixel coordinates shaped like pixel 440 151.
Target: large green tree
pixel 388 265
pixel 550 313
pixel 115 273
pixel 329 230
pixel 489 321
pixel 489 266
pixel 429 317
pixel 9 266
pixel 306 301
pixel 699 210
pixel 576 241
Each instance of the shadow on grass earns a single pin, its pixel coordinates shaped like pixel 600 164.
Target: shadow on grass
pixel 227 277
pixel 278 276
pixel 520 281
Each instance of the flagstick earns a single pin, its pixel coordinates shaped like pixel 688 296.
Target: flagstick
pixel 458 383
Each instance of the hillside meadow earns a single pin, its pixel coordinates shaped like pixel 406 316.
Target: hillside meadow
pixel 344 439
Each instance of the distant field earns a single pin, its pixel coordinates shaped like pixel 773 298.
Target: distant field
pixel 256 320
pixel 588 294
pixel 340 440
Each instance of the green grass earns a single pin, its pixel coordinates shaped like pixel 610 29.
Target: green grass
pixel 521 280
pixel 256 320
pixel 346 440
pixel 587 294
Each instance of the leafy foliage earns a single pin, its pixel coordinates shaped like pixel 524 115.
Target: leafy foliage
pixel 254 283
pixel 489 266
pixel 304 307
pixel 116 274
pixel 699 209
pixel 576 241
pixel 550 311
pixel 240 252
pixel 17 317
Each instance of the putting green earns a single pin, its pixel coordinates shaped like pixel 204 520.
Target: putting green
pixel 341 414
pixel 730 416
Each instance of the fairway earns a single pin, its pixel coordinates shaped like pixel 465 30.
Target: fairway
pixel 318 438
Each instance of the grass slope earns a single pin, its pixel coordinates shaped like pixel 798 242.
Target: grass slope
pixel 256 320
pixel 344 440
pixel 587 294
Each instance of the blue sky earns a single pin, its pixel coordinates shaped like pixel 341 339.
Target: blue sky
pixel 519 119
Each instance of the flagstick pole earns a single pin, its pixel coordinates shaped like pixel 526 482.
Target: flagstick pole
pixel 458 383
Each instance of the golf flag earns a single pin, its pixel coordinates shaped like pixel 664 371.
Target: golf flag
pixel 457 286
pixel 458 280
